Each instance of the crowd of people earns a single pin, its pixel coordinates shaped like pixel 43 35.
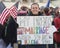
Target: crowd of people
pixel 35 10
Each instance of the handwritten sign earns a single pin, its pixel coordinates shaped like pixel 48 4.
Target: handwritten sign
pixel 34 29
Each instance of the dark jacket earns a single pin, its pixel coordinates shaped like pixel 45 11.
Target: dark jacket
pixel 31 14
pixel 1 31
pixel 11 31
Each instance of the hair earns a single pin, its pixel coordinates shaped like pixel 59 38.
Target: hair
pixel 56 8
pixel 35 4
pixel 24 8
pixel 46 10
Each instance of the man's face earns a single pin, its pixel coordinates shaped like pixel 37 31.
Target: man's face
pixel 35 9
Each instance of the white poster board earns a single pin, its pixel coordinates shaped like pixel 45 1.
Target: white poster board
pixel 35 29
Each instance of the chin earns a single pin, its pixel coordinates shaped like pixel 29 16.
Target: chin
pixel 35 13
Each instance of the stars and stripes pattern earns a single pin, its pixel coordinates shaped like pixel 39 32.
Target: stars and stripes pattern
pixel 4 16
pixel 8 12
pixel 13 11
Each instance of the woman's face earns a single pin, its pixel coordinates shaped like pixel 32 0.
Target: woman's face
pixel 35 9
pixel 57 10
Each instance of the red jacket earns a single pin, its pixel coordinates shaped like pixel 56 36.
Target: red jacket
pixel 57 22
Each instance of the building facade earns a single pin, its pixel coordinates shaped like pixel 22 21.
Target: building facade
pixel 27 1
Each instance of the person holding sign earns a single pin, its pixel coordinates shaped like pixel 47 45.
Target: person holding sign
pixel 35 11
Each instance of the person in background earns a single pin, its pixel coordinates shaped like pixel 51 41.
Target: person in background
pixel 10 32
pixel 51 10
pixel 56 23
pixel 56 10
pixel 46 12
pixel 23 11
pixel 35 10
pixel 42 9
